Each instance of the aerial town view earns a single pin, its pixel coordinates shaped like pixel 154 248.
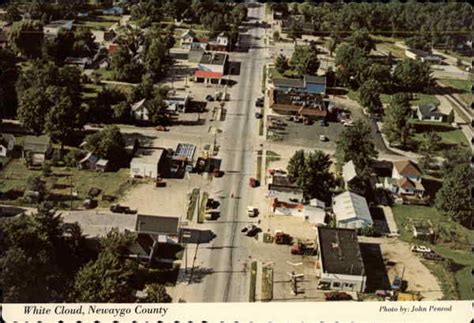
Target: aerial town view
pixel 190 151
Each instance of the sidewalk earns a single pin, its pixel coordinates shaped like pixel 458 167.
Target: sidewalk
pixel 397 151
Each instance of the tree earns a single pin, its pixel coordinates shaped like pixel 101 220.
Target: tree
pixel 412 75
pixel 369 96
pixel 430 144
pixel 311 173
pixel 296 164
pixel 311 64
pixel 123 69
pixel 361 39
pixel 281 63
pixel 153 57
pixel 454 197
pixel 396 124
pixel 13 13
pixel 8 78
pixel 107 143
pixel 454 157
pixel 305 60
pixel 26 37
pixel 450 119
pixel 418 42
pixel 352 65
pixel 355 143
pixel 32 109
pixel 156 293
pixel 295 31
pixel 381 73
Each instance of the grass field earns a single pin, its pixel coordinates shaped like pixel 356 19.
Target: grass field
pixel 419 98
pixel 449 136
pixel 464 86
pixel 453 243
pixel 58 184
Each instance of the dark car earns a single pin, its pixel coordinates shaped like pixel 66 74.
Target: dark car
pixel 209 98
pixel 337 296
pixel 432 256
pixel 117 208
pixel 323 123
pixel 397 283
pixel 259 102
pixel 258 115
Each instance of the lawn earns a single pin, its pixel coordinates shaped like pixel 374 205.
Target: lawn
pixel 274 73
pixel 16 174
pixel 463 86
pixel 100 22
pixel 453 242
pixel 418 98
pixel 450 136
pixel 104 74
pixel 387 44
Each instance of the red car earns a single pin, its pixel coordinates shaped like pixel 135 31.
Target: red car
pixel 337 296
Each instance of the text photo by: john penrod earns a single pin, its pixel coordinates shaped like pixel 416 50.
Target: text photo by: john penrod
pixel 139 309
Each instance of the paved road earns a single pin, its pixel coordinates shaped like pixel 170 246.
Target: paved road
pixel 219 267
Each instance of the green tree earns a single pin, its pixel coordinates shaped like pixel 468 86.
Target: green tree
pixel 381 73
pixel 454 157
pixel 352 65
pixel 8 78
pixel 26 37
pixel 123 69
pixel 311 173
pixel 355 143
pixel 450 118
pixel 305 60
pixel 369 95
pixel 153 57
pixel 156 293
pixel 454 197
pixel 13 13
pixel 107 143
pixel 412 75
pixel 361 39
pixel 430 144
pixel 32 109
pixel 418 42
pixel 295 31
pixel 396 124
pixel 296 165
pixel 281 63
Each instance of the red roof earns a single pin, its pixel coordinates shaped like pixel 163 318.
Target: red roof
pixel 113 48
pixel 203 40
pixel 208 74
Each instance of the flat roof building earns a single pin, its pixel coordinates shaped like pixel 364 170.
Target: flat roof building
pixel 340 260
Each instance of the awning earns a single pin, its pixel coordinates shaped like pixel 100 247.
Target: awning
pixel 208 74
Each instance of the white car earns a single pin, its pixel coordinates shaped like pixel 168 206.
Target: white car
pixel 421 249
pixel 323 138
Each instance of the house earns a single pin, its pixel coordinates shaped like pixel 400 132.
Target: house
pixel 423 56
pixel 7 144
pixel 151 230
pixel 349 172
pixel 52 29
pixel 103 36
pixel 36 149
pixel 351 211
pixel 406 179
pixel 140 110
pixel 187 38
pixel 93 162
pixel 340 260
pixel 221 43
pixel 150 163
pixel 177 103
pixel 429 112
pixel 81 62
pixel 282 183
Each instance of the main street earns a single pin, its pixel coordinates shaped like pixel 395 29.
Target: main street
pixel 219 273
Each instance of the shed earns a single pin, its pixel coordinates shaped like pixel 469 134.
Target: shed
pixel 351 211
pixel 148 163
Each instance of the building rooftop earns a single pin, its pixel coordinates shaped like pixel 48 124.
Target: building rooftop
pixel 154 224
pixel 148 156
pixel 213 58
pixel 349 171
pixel 349 205
pixel 60 23
pixel 185 151
pixel 340 252
pixel 36 143
pixel 407 168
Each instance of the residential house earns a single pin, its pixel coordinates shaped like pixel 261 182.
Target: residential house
pixel 406 179
pixel 423 56
pixel 140 110
pixel 36 149
pixel 7 144
pixel 151 230
pixel 340 260
pixel 52 29
pixel 149 163
pixel 93 162
pixel 349 172
pixel 351 211
pixel 187 38
pixel 81 62
pixel 429 112
pixel 221 43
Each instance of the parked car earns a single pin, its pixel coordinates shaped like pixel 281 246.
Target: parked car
pixel 432 256
pixel 250 230
pixel 117 208
pixel 209 98
pixel 258 115
pixel 421 249
pixel 337 296
pixel 323 138
pixel 323 123
pixel 259 102
pixel 397 283
pixel 252 211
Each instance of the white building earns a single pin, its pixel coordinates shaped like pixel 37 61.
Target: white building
pixel 349 172
pixel 351 211
pixel 52 29
pixel 7 143
pixel 187 39
pixel 340 262
pixel 148 163
pixel 140 110
pixel 406 179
